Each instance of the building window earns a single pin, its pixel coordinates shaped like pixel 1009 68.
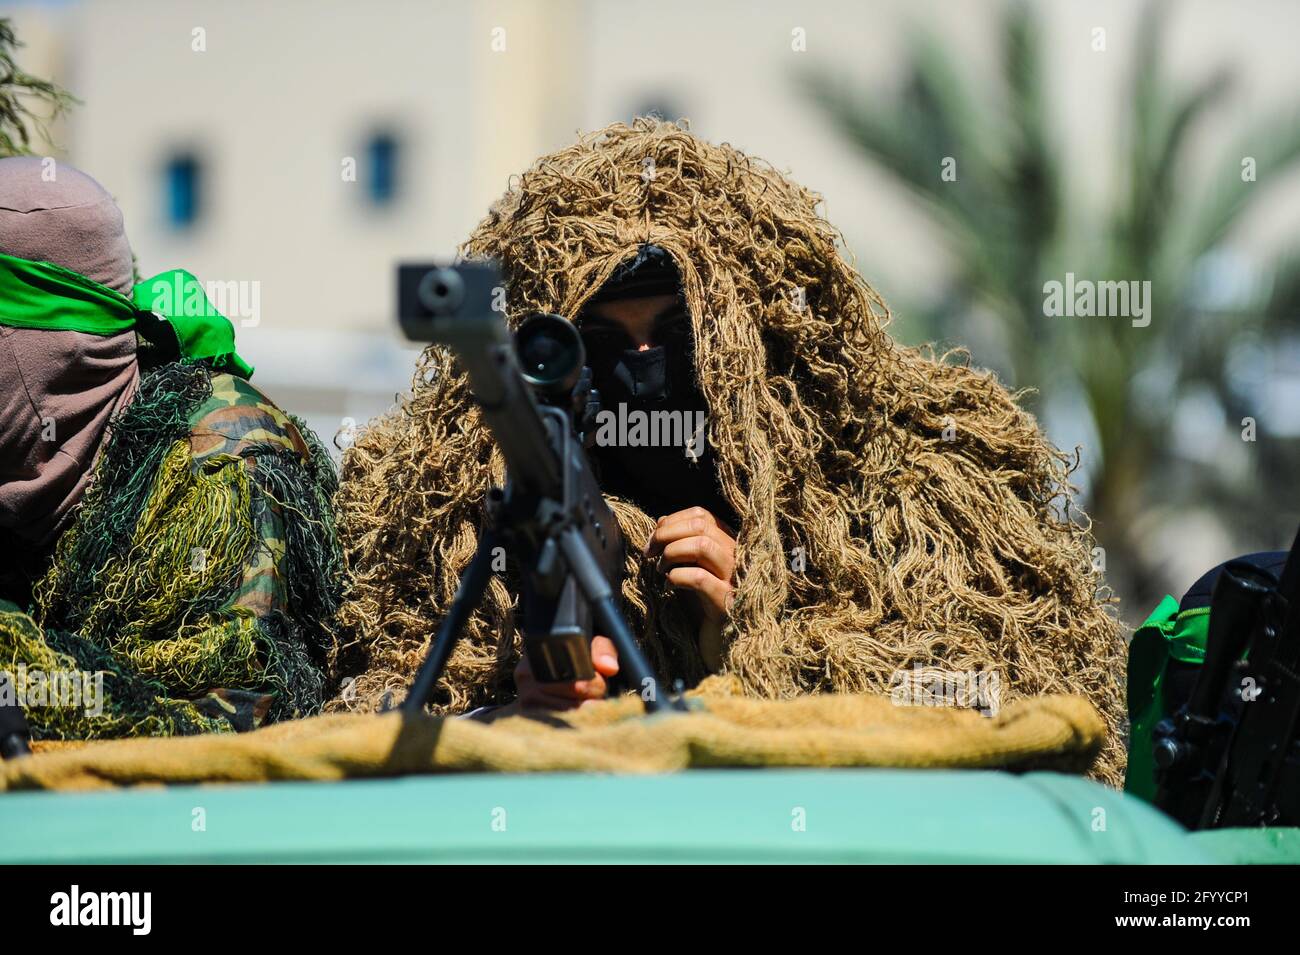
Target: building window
pixel 383 153
pixel 183 182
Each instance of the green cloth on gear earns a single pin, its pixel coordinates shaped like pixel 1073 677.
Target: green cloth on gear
pixel 1166 634
pixel 172 303
pixel 200 571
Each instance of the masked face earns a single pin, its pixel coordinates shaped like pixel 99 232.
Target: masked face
pixel 655 447
pixel 58 392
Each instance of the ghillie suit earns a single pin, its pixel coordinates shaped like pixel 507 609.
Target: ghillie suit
pixel 198 575
pixel 897 510
pixel 162 522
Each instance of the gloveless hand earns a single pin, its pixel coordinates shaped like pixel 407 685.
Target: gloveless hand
pixel 697 552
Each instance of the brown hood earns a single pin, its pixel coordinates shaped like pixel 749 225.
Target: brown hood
pixel 897 509
pixel 58 389
pixel 58 392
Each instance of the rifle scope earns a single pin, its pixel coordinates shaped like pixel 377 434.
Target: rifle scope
pixel 551 354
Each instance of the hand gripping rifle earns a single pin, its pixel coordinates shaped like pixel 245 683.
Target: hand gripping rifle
pixel 1230 756
pixel 536 396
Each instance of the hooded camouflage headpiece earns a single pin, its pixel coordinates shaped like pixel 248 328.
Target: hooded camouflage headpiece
pixel 897 509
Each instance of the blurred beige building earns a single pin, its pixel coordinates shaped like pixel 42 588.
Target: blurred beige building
pixel 306 147
pixel 272 118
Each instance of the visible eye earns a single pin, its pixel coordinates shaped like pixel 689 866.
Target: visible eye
pixel 604 340
pixel 673 328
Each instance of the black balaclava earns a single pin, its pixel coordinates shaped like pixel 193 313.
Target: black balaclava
pixel 664 479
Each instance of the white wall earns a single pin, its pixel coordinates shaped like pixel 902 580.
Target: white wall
pixel 286 90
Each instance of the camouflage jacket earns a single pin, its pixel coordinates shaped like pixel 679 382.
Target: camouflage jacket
pixel 201 572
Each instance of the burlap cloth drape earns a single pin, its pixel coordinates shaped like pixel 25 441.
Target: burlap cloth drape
pixel 1049 732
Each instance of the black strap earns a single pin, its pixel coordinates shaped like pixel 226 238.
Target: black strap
pixel 14 734
pixel 1199 594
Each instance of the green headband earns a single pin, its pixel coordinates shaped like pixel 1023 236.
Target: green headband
pixel 48 296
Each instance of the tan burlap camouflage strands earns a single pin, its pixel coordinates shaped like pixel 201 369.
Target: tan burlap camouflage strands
pixel 932 516
pixel 1058 732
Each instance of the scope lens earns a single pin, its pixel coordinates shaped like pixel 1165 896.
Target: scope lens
pixel 550 352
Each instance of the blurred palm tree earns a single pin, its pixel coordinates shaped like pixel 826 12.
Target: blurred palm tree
pixel 28 104
pixel 1009 229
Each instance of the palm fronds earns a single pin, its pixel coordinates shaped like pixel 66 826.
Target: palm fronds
pixel 28 104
